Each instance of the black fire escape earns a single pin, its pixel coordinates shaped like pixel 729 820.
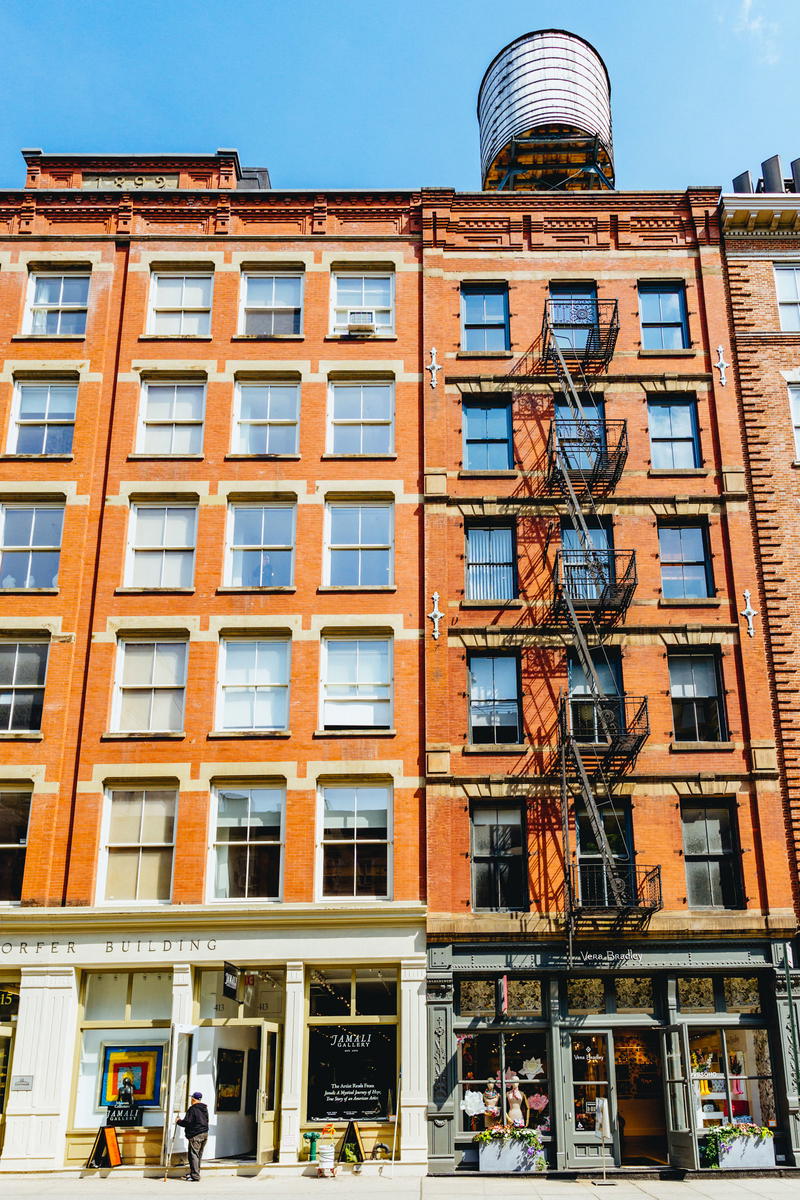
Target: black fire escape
pixel 599 734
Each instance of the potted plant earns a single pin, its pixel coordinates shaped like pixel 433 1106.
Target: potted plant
pixel 740 1146
pixel 510 1149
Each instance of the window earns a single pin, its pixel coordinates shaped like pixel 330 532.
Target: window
pixel 595 888
pixel 43 420
pixel 23 666
pixel 794 402
pixel 272 305
pixel 574 316
pixel 266 419
pixel 30 545
pixel 711 854
pixel 151 686
pixel 15 810
pixel 484 317
pixel 57 304
pixel 731 1077
pixel 674 437
pixel 526 1098
pixel 491 563
pixel 254 684
pixel 248 836
pixel 172 419
pixel 588 573
pixel 362 418
pixel 787 285
pixel 662 308
pixel 595 719
pixel 494 715
pixel 360 539
pixel 261 545
pixel 357 683
pixel 363 303
pixel 356 840
pixel 582 442
pixel 696 707
pixel 487 436
pixel 498 858
pixel 162 546
pixel 180 305
pixel 685 562
pixel 141 828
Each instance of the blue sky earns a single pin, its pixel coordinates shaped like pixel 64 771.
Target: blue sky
pixel 364 93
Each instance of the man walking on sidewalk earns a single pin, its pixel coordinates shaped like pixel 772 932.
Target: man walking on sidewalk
pixel 195 1128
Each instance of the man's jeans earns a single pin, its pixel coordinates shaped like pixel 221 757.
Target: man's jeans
pixel 196 1147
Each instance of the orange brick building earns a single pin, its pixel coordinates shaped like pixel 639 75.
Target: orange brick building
pixel 210 624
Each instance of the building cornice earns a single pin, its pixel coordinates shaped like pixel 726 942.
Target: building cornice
pixel 763 214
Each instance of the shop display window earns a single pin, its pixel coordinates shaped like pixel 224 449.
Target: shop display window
pixel 731 1075
pixel 586 996
pixel 633 993
pixel 260 995
pixel 504 1077
pixel 128 996
pixel 589 1079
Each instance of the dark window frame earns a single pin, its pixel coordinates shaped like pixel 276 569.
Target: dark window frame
pixel 705 561
pixel 696 702
pixel 690 404
pixel 474 404
pixel 470 566
pixel 653 287
pixel 728 861
pixel 495 859
pixel 476 328
pixel 515 658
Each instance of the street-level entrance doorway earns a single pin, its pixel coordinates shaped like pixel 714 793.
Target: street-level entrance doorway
pixel 640 1098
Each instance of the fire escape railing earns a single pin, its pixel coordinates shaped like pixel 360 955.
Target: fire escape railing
pixel 582 330
pixel 593 452
pixel 600 583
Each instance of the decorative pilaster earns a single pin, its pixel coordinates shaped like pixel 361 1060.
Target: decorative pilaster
pixel 182 994
pixel 291 1089
pixel 442 1071
pixel 413 1063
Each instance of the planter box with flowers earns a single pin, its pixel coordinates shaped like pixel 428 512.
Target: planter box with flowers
pixel 739 1147
pixel 510 1150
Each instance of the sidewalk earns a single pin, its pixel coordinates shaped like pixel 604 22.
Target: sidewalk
pixel 348 1187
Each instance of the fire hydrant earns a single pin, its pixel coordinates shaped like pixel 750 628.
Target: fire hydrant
pixel 312 1139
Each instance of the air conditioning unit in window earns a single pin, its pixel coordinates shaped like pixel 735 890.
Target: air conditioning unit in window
pixel 360 320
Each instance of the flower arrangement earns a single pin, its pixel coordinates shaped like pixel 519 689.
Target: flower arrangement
pixel 721 1137
pixel 530 1139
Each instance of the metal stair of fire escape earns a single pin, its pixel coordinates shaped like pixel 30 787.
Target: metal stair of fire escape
pixel 599 734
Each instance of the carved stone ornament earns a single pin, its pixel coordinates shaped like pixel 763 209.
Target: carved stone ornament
pixel 748 612
pixel 435 615
pixel 722 367
pixel 433 366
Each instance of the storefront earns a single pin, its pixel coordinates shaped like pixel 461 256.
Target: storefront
pixel 284 1027
pixel 628 1054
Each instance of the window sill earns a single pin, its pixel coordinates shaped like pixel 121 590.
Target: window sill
pixel 48 337
pixel 668 353
pixel 132 736
pixel 217 734
pixel 37 457
pixel 689 747
pixel 499 748
pixel 21 735
pixel 357 457
pixel 165 457
pixel 261 458
pixel 354 588
pixel 28 591
pixel 253 591
pixel 354 733
pixel 684 602
pixel 494 604
pixel 669 472
pixel 360 337
pixel 485 354
pixel 175 337
pixel 509 473
pixel 149 591
pixel 268 337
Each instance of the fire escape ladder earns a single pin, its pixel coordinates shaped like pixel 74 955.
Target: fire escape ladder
pixel 615 881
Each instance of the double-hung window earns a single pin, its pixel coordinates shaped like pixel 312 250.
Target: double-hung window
pixel 498 858
pixel 57 304
pixel 272 305
pixel 162 546
pixel 248 839
pixel 494 703
pixel 261 544
pixel 360 544
pixel 139 845
pixel 361 418
pixel 356 841
pixel 711 854
pixel 30 545
pixel 575 316
pixel 596 890
pixel 674 436
pixel 794 404
pixel 697 713
pixel 15 808
pixel 484 317
pixel 488 444
pixel 180 304
pixel 357 683
pixel 171 419
pixel 662 308
pixel 23 666
pixel 151 686
pixel 787 286
pixel 596 718
pixel 685 562
pixel 491 563
pixel 266 418
pixel 363 303
pixel 254 684
pixel 43 419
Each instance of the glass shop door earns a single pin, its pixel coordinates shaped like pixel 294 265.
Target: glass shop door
pixel 681 1135
pixel 594 1124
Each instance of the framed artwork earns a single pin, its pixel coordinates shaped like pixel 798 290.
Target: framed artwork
pixel 230 1077
pixel 131 1075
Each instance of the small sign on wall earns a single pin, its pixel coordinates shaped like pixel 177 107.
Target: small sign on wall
pixel 21 1083
pixel 230 981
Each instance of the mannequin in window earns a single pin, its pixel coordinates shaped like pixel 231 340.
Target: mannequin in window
pixel 516 1105
pixel 491 1104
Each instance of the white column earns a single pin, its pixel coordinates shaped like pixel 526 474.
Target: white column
pixel 292 1073
pixel 44 1050
pixel 413 1063
pixel 181 994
